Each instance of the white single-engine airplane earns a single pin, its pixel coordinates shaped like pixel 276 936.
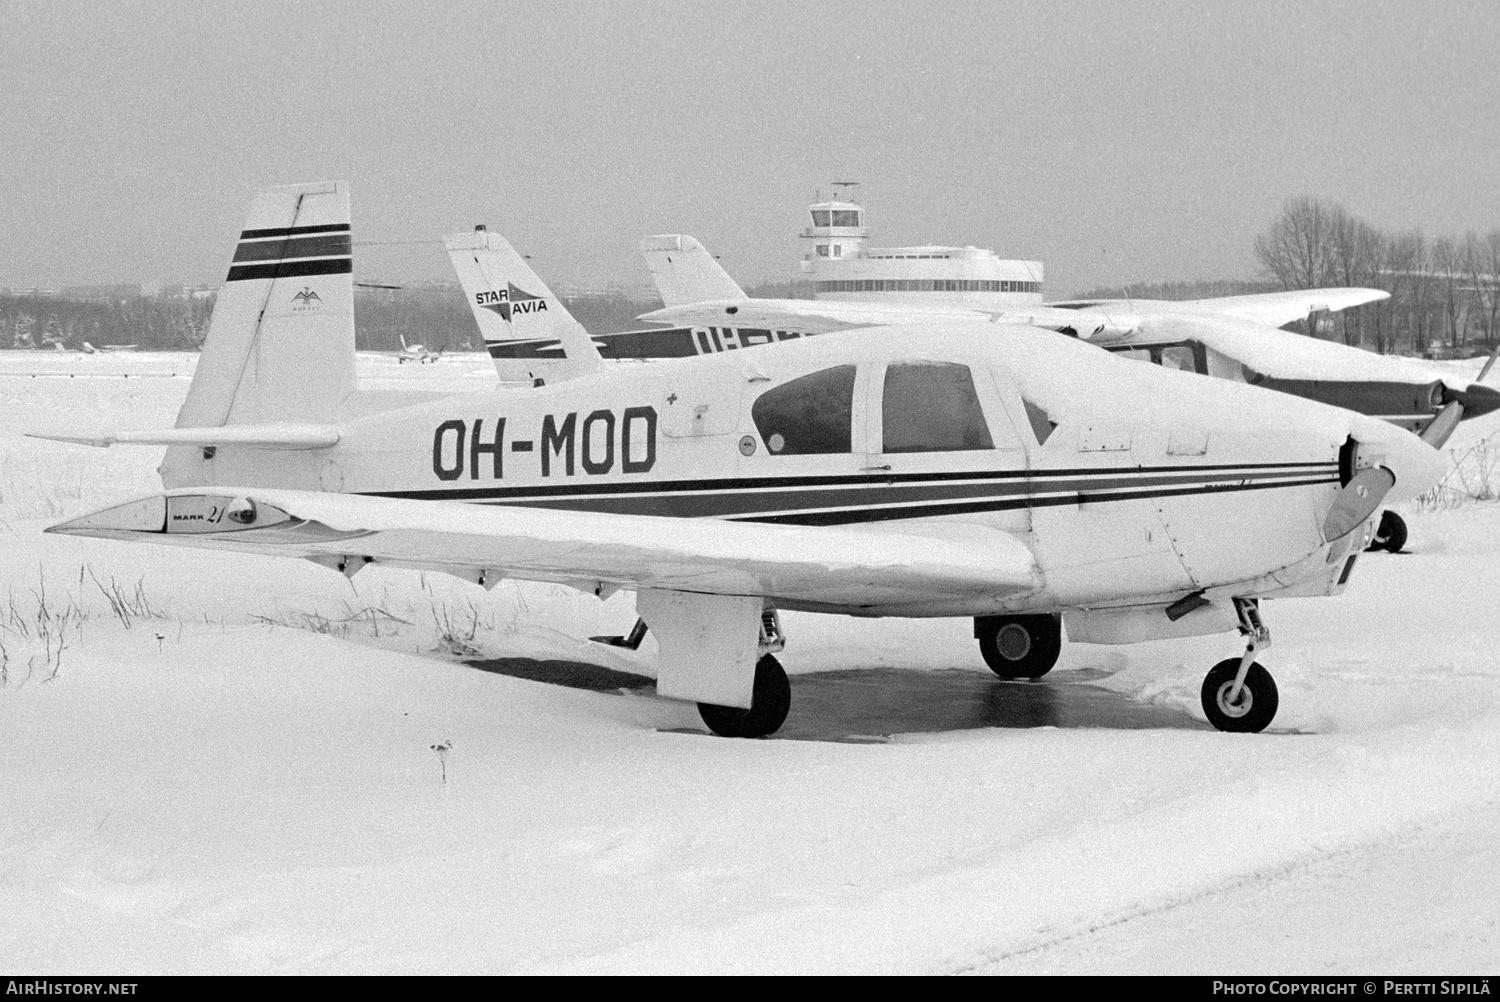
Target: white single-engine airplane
pixel 1027 481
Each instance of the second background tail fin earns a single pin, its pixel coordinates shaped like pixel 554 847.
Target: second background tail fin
pixel 685 272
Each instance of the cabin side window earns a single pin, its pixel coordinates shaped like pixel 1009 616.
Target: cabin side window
pixel 810 415
pixel 932 407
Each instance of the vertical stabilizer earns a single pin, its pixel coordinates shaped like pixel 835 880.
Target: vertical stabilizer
pixel 280 345
pixel 685 272
pixel 525 327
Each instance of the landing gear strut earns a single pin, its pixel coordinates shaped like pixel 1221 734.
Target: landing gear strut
pixel 1238 694
pixel 1019 646
pixel 1390 535
pixel 771 699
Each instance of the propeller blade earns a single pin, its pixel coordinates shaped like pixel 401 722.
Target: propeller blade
pixel 1439 428
pixel 1489 362
pixel 1357 501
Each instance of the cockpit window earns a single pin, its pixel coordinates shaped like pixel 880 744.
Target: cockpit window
pixel 809 415
pixel 932 407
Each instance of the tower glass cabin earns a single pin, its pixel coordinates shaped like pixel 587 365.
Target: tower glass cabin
pixel 842 267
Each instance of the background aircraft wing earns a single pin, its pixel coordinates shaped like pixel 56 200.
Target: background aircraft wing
pixel 1278 308
pixel 1285 355
pixel 595 551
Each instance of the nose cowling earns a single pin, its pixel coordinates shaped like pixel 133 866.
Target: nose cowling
pixel 1477 400
pixel 1417 466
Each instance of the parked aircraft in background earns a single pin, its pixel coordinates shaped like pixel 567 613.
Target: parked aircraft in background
pixel 1234 337
pixel 512 317
pixel 89 349
pixel 1024 480
pixel 416 353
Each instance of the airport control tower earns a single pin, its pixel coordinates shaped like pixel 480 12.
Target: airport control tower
pixel 843 268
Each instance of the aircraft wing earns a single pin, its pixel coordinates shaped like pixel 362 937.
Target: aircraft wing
pixel 1285 355
pixel 595 551
pixel 1278 308
pixel 268 436
pixel 826 316
pixel 1272 308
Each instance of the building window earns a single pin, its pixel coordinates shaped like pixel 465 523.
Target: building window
pixel 838 250
pixel 822 250
pixel 810 415
pixel 820 217
pixel 932 407
pixel 845 217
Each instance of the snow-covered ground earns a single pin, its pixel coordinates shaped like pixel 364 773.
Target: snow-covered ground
pixel 242 770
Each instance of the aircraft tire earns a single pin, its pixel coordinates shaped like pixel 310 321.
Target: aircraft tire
pixel 769 704
pixel 1017 647
pixel 1390 535
pixel 1258 700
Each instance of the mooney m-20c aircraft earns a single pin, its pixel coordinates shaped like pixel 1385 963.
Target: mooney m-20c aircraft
pixel 1026 481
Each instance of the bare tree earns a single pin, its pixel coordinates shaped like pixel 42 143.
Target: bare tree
pixel 1297 250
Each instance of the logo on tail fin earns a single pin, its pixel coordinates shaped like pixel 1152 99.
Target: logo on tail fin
pixel 510 300
pixel 307 295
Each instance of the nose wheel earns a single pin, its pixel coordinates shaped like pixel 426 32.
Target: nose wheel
pixel 1239 695
pixel 1390 535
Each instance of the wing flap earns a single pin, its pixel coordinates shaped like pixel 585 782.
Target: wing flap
pixel 832 566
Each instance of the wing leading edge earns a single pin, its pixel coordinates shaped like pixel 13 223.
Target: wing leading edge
pixel 802 565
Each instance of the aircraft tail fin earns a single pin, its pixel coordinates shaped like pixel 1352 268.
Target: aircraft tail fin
pixel 280 344
pixel 526 330
pixel 685 272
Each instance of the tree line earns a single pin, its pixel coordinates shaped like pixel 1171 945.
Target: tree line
pixel 436 317
pixel 1444 291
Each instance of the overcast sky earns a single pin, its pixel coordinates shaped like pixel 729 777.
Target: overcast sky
pixel 1116 143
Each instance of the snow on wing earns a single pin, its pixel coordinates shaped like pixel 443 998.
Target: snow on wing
pixel 833 566
pixel 1279 308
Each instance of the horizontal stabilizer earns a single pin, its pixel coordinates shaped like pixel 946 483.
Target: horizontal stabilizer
pixel 265 436
pixel 600 552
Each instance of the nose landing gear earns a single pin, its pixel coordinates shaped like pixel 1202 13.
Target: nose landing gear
pixel 1390 535
pixel 1239 695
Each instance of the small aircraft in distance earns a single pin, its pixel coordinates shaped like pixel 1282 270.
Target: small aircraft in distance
pixel 416 353
pixel 1026 480
pixel 89 349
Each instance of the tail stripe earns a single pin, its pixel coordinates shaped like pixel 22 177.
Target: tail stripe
pixel 291 269
pixel 282 248
pixel 294 231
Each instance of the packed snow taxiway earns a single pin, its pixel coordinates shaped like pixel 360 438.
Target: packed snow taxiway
pixel 233 764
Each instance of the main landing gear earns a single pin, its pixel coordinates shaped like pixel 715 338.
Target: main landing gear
pixel 771 698
pixel 1017 647
pixel 1238 694
pixel 1390 535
